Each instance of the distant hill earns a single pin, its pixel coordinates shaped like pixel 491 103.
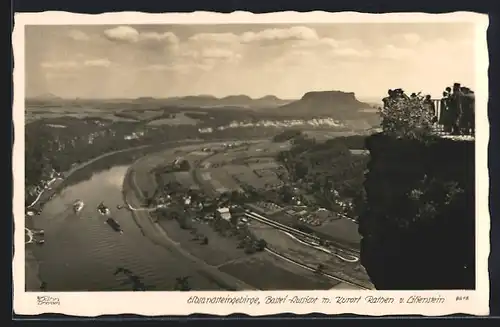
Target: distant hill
pixel 242 101
pixel 326 103
pixel 339 105
pixel 45 97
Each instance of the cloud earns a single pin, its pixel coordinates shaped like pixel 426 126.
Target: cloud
pixel 122 34
pixel 215 37
pixel 215 53
pixel 323 42
pixel 168 37
pixel 60 65
pixel 296 33
pixel 97 63
pixel 78 35
pixel 351 53
pixel 75 65
pixel 158 67
pixel 127 34
pixel 174 68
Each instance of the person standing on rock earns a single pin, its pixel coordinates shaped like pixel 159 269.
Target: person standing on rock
pixel 467 117
pixel 430 107
pixel 455 108
pixel 444 119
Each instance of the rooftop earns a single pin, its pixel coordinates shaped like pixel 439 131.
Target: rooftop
pixel 223 210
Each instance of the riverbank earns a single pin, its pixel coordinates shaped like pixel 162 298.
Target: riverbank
pixel 33 281
pixel 220 257
pixel 133 197
pixel 80 172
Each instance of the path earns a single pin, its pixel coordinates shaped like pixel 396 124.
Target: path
pixel 354 258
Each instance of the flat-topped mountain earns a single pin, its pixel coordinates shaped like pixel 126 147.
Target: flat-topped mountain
pixel 326 103
pixel 338 105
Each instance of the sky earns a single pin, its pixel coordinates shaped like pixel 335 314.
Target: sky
pixel 130 61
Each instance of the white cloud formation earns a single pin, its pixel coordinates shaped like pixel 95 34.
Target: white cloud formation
pixel 351 53
pixel 286 60
pixel 78 35
pixel 168 37
pixel 122 33
pixel 75 65
pixel 128 34
pixel 219 53
pixel 215 37
pixel 296 33
pixel 60 65
pixel 97 63
pixel 181 68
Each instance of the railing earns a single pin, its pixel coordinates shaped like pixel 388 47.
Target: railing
pixel 437 106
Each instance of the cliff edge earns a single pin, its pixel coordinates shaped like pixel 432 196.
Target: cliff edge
pixel 418 226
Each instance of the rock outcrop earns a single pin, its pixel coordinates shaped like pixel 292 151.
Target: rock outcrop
pixel 418 228
pixel 326 103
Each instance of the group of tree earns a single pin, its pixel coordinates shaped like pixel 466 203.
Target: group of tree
pixel 327 170
pixel 287 135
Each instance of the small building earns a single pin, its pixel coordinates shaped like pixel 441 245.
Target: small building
pixel 224 214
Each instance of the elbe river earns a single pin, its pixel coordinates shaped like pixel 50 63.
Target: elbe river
pixel 82 253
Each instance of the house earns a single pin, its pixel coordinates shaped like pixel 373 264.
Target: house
pixel 224 214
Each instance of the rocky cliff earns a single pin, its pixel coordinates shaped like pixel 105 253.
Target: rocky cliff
pixel 326 103
pixel 334 104
pixel 418 227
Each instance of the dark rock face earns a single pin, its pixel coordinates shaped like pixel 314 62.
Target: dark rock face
pixel 337 96
pixel 418 227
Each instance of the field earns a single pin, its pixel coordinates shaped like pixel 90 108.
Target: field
pixel 288 246
pixel 218 251
pixel 179 119
pixel 267 272
pixel 125 113
pixel 250 178
pixel 342 230
pixel 34 115
pixel 224 177
pixel 185 179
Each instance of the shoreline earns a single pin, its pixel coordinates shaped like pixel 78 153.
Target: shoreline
pixel 228 282
pixel 33 280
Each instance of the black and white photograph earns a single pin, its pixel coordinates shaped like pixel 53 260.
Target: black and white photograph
pixel 238 156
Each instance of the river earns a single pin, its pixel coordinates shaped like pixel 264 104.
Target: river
pixel 82 253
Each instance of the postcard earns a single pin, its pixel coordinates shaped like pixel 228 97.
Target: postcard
pixel 210 163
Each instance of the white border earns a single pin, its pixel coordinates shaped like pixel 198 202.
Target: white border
pixel 174 303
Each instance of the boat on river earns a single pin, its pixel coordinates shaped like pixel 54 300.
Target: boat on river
pixel 78 206
pixel 114 224
pixel 103 210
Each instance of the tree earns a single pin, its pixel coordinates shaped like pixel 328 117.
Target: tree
pixel 260 245
pixel 404 116
pixel 184 165
pixel 320 268
pixel 182 284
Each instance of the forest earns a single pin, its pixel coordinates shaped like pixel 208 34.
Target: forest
pixel 328 170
